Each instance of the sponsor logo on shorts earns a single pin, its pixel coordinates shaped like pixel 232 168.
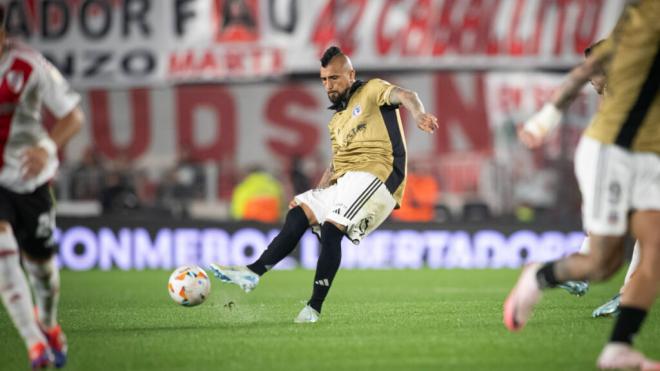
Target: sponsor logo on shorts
pixel 613 218
pixel 614 195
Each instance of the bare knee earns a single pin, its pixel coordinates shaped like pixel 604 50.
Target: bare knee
pixel 309 214
pixel 4 226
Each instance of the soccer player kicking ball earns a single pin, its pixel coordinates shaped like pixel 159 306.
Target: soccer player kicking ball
pixel 28 161
pixel 618 168
pixel 532 135
pixel 364 182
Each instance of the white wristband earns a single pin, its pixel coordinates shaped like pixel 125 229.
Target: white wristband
pixel 545 121
pixel 48 144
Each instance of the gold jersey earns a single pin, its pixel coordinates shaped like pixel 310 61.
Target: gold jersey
pixel 629 115
pixel 366 135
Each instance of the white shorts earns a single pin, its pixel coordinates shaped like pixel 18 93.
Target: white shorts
pixel 359 201
pixel 615 182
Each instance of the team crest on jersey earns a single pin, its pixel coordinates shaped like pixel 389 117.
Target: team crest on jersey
pixel 357 110
pixel 14 81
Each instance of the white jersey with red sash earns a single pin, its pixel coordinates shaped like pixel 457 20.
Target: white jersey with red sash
pixel 27 81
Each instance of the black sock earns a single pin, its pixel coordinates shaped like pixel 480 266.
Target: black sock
pixel 294 227
pixel 546 276
pixel 328 264
pixel 627 324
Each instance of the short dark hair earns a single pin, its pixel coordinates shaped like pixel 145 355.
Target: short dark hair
pixel 328 54
pixel 591 47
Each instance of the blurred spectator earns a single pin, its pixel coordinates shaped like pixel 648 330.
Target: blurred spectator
pixel 118 194
pixel 420 198
pixel 86 180
pixel 258 197
pixel 180 185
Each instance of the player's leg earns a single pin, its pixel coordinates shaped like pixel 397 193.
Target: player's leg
pixel 297 220
pixel 611 307
pixel 37 214
pixel 634 263
pixel 326 269
pixel 17 299
pixel 604 258
pixel 638 297
pixel 578 288
pixel 362 203
pixel 605 189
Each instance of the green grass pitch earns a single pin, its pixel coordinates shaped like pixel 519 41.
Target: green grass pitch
pixel 372 320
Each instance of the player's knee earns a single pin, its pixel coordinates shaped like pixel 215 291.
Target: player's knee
pixel 8 243
pixel 341 228
pixel 4 226
pixel 603 269
pixel 308 213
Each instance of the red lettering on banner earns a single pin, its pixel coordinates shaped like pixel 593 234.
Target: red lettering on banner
pixel 587 25
pixel 235 62
pixel 102 132
pixel 384 41
pixel 278 112
pixel 225 62
pixel 561 20
pixel 331 27
pixel 466 113
pixel 469 27
pixel 509 98
pixel 416 36
pixel 207 62
pixel 515 41
pixel 218 99
pixel 542 94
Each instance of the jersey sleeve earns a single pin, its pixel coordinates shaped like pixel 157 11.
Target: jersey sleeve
pixel 382 90
pixel 55 91
pixel 605 49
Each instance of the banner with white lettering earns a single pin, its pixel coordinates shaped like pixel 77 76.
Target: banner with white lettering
pixel 105 244
pixel 113 43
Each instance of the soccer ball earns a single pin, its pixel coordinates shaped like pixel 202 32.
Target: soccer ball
pixel 189 285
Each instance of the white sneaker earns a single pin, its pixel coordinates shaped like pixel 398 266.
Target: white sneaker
pixel 623 356
pixel 307 315
pixel 238 275
pixel 520 302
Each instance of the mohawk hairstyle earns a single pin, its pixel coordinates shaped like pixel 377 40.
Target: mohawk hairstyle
pixel 591 47
pixel 330 53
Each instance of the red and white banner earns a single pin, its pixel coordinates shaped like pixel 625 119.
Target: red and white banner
pixel 269 123
pixel 119 43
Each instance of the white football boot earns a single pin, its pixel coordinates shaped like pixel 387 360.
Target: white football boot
pixel 522 298
pixel 577 288
pixel 617 356
pixel 611 308
pixel 307 315
pixel 238 275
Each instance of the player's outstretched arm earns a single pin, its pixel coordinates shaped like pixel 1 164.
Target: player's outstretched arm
pixel 409 99
pixel 36 157
pixel 534 131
